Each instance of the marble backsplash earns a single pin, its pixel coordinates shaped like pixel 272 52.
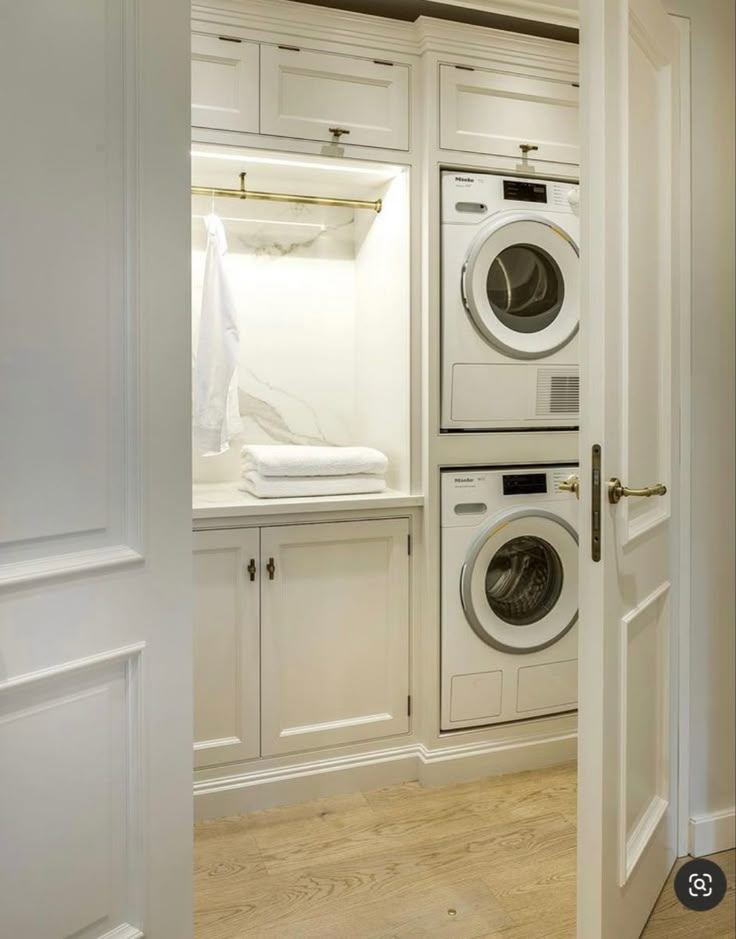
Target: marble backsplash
pixel 294 281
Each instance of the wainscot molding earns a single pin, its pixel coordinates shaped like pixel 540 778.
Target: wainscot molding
pixel 115 535
pixel 104 693
pixel 61 565
pixel 709 834
pixel 333 775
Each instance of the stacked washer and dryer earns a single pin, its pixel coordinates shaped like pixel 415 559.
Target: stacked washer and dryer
pixel 510 315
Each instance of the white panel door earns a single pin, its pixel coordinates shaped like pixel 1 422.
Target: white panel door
pixel 224 83
pixel 334 633
pixel 497 113
pixel 304 94
pixel 95 521
pixel 226 646
pixel 629 337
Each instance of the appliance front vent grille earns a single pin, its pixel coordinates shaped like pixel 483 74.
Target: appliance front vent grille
pixel 558 392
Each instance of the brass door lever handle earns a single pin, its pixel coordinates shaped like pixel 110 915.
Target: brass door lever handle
pixel 617 490
pixel 571 484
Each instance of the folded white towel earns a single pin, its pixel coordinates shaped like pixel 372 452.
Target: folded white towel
pixel 278 460
pixel 291 487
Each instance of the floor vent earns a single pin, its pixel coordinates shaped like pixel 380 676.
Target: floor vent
pixel 558 392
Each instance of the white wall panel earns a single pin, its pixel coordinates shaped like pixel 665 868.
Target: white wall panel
pixel 74 730
pixel 68 413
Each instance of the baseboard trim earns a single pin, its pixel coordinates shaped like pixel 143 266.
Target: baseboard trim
pixel 299 782
pixel 709 834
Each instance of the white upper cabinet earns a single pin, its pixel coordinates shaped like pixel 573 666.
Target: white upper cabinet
pixel 304 94
pixel 499 114
pixel 335 633
pixel 224 83
pixel 226 646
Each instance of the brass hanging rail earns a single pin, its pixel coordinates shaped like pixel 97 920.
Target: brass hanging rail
pixel 244 193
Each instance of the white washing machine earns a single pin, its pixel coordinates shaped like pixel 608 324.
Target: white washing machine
pixel 510 302
pixel 509 595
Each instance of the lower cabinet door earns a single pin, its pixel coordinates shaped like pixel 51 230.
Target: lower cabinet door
pixel 226 646
pixel 334 633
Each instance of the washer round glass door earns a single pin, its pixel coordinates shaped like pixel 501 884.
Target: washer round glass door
pixel 519 584
pixel 521 283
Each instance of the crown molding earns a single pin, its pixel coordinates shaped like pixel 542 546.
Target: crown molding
pixel 557 59
pixel 561 13
pixel 284 21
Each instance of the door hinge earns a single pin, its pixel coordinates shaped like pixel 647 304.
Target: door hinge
pixel 595 504
pixel 408 544
pixel 408 706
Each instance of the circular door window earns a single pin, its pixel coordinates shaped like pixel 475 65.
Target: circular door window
pixel 519 584
pixel 520 285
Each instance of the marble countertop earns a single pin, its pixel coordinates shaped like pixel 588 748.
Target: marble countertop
pixel 225 500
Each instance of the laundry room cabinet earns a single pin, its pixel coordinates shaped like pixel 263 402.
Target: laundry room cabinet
pixel 288 91
pixel 305 94
pixel 225 79
pixel 226 646
pixel 301 637
pixel 501 114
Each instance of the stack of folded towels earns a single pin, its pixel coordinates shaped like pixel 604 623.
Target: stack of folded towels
pixel 279 472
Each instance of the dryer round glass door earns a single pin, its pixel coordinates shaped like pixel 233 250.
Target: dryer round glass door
pixel 519 584
pixel 520 285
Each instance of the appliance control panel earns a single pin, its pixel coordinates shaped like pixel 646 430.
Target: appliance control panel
pixel 468 198
pixel 470 495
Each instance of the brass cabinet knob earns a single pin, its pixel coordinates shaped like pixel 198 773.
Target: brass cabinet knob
pixel 571 484
pixel 337 132
pixel 527 148
pixel 617 491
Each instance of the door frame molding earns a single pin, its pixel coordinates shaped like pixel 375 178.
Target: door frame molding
pixel 683 594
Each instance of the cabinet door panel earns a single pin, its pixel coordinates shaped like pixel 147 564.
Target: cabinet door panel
pixel 226 647
pixel 224 83
pixel 334 633
pixel 305 93
pixel 496 113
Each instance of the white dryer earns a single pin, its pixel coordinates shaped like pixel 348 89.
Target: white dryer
pixel 509 595
pixel 510 302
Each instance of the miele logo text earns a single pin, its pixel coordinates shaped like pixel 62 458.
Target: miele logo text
pixel 464 479
pixel 463 179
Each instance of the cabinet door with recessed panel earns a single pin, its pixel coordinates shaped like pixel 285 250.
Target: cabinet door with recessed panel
pixel 509 115
pixel 224 83
pixel 323 96
pixel 226 646
pixel 334 633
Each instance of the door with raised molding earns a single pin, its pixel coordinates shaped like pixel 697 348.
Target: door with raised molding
pixel 334 633
pixel 634 265
pixel 95 516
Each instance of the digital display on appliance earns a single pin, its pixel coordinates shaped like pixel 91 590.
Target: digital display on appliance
pixel 521 191
pixel 520 484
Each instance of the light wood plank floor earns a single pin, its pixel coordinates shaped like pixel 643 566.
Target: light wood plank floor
pixel 492 859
